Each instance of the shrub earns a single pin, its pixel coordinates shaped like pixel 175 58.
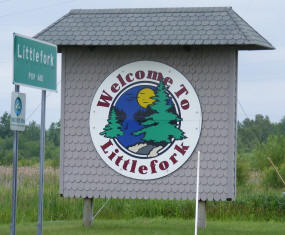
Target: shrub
pixel 242 171
pixel 273 148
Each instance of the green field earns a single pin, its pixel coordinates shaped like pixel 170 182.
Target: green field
pixel 150 226
pixel 251 204
pixel 259 207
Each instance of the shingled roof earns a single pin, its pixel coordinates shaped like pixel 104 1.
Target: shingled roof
pixel 166 26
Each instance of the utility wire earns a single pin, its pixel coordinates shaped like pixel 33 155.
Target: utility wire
pixel 72 66
pixel 39 105
pixel 36 9
pixel 3 1
pixel 101 208
pixel 242 109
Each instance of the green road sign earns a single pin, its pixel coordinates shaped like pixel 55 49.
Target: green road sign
pixel 34 63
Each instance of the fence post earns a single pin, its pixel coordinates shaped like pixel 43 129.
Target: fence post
pixel 88 212
pixel 202 214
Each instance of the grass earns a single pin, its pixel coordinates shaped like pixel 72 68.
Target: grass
pixel 150 226
pixel 252 203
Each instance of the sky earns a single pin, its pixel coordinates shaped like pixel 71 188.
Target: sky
pixel 261 83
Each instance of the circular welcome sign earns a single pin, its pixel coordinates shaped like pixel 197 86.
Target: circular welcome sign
pixel 145 120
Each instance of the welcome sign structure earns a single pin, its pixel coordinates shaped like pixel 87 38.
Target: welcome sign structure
pixel 152 118
pixel 141 91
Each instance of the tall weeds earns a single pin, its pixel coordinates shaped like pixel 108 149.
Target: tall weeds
pixel 248 206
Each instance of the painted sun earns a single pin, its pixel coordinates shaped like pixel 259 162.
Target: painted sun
pixel 144 97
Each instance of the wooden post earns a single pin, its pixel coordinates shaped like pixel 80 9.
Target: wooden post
pixel 202 214
pixel 88 212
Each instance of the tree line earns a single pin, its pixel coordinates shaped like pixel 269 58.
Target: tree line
pixel 258 138
pixel 29 144
pixel 254 132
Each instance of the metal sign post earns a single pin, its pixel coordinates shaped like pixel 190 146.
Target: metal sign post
pixel 34 65
pixel 15 175
pixel 42 156
pixel 197 194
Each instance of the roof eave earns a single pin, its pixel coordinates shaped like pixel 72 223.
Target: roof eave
pixel 249 47
pixel 255 48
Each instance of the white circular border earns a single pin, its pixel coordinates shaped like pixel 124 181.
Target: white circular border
pixel 190 125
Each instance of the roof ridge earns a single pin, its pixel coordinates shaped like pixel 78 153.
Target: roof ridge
pixel 248 25
pixel 149 10
pixel 237 25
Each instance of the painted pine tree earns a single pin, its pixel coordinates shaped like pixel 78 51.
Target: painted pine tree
pixel 161 125
pixel 113 128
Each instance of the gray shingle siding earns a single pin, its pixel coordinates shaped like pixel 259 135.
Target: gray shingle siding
pixel 212 73
pixel 165 26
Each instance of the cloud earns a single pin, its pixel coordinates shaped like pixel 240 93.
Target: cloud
pixel 261 73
